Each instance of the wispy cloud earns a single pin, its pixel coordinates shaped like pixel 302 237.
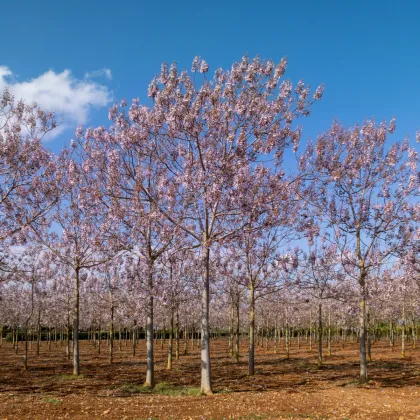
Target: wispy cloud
pixel 105 72
pixel 70 98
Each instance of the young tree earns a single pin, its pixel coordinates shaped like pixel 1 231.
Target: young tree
pixel 27 169
pixel 364 190
pixel 83 240
pixel 206 139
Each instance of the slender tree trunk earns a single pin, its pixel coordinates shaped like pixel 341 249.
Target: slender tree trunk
pixel 133 338
pixel 162 335
pixel 413 333
pixel 320 332
pixel 267 332
pixel 68 341
pixel 111 332
pixel 177 335
pixel 391 335
pixel 403 332
pixel 368 336
pixel 99 338
pixel 150 373
pixel 329 333
pixel 310 330
pixel 206 385
pixel 25 356
pixel 232 310
pixel 171 334
pixel 185 338
pixel 76 366
pixel 251 362
pixel 275 335
pixel 237 338
pixel 362 339
pixel 39 332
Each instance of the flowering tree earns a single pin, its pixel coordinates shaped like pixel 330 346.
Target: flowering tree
pixel 320 278
pixel 363 190
pixel 27 188
pixel 81 243
pixel 206 139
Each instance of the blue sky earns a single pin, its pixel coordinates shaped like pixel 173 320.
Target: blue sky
pixel 367 53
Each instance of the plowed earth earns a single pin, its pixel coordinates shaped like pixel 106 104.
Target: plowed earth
pixel 282 388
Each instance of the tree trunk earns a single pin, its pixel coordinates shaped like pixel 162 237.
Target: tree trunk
pixel 185 338
pixel 320 332
pixel 403 332
pixel 362 340
pixel 111 332
pixel 251 362
pixel 25 356
pixel 38 337
pixel 275 335
pixel 329 333
pixel 232 310
pixel 310 330
pixel 133 338
pixel 150 373
pixel 76 366
pixel 177 336
pixel 206 385
pixel 237 333
pixel 171 335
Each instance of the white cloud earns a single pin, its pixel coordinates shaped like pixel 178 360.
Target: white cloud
pixel 70 98
pixel 105 72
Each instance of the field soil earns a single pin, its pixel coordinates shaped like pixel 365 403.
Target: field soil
pixel 282 388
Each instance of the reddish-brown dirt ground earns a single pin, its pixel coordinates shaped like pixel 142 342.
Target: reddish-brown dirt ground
pixel 281 389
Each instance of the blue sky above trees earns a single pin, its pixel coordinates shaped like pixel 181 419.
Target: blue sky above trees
pixel 79 56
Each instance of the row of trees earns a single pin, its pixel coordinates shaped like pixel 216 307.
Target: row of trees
pixel 186 199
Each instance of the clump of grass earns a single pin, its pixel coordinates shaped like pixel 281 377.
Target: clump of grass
pixel 224 391
pixel 166 388
pixel 392 365
pixel 353 382
pixel 163 388
pixel 133 389
pixel 50 400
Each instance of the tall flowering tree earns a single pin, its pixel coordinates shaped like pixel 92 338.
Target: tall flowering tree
pixel 363 190
pixel 27 169
pixel 130 185
pixel 204 138
pixel 81 239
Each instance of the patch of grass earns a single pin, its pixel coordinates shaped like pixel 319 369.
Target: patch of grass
pixel 353 382
pixel 253 416
pixel 133 389
pixel 50 400
pixel 166 388
pixel 163 388
pixel 224 391
pixel 392 365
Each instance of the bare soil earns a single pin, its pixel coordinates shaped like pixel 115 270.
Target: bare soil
pixel 282 388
